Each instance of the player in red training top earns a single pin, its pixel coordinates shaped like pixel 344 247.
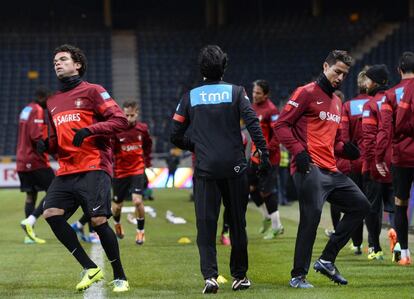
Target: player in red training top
pixel 34 170
pixel 263 189
pixel 377 188
pixel 398 109
pixel 307 127
pixel 132 154
pixel 83 118
pixel 351 131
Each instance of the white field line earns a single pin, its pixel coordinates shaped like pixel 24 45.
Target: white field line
pixel 97 290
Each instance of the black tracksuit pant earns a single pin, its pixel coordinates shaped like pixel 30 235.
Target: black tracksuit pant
pixel 380 195
pixel 313 189
pixel 207 198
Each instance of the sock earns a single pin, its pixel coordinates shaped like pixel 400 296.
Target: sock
pixel 226 221
pixel 110 245
pixel 29 208
pixel 39 210
pixel 31 220
pixel 226 228
pixel 263 209
pixel 84 219
pixel 271 203
pixel 67 236
pixel 91 228
pixel 117 218
pixel 404 253
pixel 140 224
pixel 275 220
pixel 401 225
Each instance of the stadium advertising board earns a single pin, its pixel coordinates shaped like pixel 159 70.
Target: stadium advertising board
pixel 156 176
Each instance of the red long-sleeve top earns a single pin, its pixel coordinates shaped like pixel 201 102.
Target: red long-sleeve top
pixel 402 145
pixel 371 120
pixel 85 106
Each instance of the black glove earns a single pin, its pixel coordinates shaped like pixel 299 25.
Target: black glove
pixel 42 145
pixel 351 151
pixel 302 161
pixel 264 165
pixel 80 135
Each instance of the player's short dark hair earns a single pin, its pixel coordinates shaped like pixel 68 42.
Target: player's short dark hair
pixel 263 84
pixel 212 61
pixel 42 93
pixel 130 104
pixel 339 55
pixel 76 54
pixel 406 63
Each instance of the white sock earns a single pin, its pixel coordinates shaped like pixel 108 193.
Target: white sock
pixel 31 220
pixel 263 209
pixel 275 220
pixel 405 253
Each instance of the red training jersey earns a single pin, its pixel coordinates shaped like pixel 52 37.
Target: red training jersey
pixel 402 145
pixel 132 151
pixel 268 114
pixel 404 123
pixel 371 119
pixel 85 106
pixel 32 128
pixel 351 126
pixel 310 121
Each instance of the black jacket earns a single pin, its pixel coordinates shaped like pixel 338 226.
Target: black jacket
pixel 214 110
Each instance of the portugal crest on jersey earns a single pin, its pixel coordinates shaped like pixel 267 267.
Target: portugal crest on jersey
pixel 78 102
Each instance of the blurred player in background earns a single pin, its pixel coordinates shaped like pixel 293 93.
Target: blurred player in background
pixel 33 168
pixel 394 127
pixel 84 117
pixel 263 189
pixel 377 188
pixel 132 154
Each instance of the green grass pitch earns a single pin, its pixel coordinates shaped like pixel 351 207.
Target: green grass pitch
pixel 162 268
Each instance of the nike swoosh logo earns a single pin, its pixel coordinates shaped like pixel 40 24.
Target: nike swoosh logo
pixel 332 272
pixel 318 103
pixel 94 209
pixel 90 277
pixel 53 110
pixel 121 139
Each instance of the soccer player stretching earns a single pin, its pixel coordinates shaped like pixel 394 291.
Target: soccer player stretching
pixel 307 126
pixel 84 116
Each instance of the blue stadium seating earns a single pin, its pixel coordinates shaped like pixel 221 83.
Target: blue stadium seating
pixel 387 52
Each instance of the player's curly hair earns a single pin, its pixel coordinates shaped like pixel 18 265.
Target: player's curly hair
pixel 213 62
pixel 76 54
